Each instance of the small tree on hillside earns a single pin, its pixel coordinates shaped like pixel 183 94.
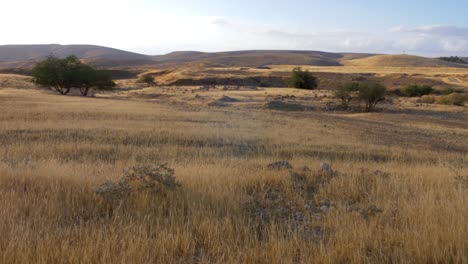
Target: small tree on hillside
pixel 92 78
pixel 148 79
pixel 345 93
pixel 61 75
pixel 302 79
pixel 371 93
pixel 57 74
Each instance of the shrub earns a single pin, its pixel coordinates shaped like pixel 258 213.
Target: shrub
pixel 302 79
pixel 451 99
pixel 345 91
pixel 61 75
pixel 417 90
pixel 454 59
pixel 148 79
pixel 371 93
pixel 447 91
pixel 156 179
pixel 428 99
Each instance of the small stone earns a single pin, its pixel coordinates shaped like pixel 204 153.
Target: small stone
pixel 371 211
pixel 324 209
pixel 326 203
pixel 305 169
pixel 299 216
pixel 280 165
pixel 326 168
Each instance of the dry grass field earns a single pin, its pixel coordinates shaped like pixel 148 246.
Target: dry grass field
pixel 329 76
pixel 398 193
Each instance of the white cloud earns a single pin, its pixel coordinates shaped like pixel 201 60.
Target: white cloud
pixel 435 30
pixel 123 24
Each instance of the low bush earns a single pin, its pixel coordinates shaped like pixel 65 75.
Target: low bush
pixel 344 92
pixel 415 90
pixel 302 79
pixel 148 79
pixel 447 91
pixel 141 178
pixel 371 93
pixel 428 99
pixel 451 99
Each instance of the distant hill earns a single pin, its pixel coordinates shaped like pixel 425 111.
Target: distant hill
pixel 454 59
pixel 25 55
pixel 255 58
pixel 401 61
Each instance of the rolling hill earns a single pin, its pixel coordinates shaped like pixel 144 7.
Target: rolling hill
pixel 400 61
pixel 255 58
pixel 25 56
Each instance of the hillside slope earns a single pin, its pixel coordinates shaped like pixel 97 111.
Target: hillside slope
pixel 25 55
pixel 400 61
pixel 255 58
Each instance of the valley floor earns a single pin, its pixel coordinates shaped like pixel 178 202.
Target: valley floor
pixel 399 193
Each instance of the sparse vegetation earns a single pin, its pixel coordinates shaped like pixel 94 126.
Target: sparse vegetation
pixel 447 91
pixel 450 99
pixel 302 79
pixel 148 79
pixel 371 93
pixel 415 90
pixel 345 93
pixel 454 59
pixel 62 75
pixel 368 91
pixel 389 193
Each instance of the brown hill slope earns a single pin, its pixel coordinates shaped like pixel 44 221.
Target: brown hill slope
pixel 255 58
pixel 25 55
pixel 400 61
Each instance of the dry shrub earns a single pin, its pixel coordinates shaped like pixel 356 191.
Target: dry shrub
pixel 140 179
pixel 451 99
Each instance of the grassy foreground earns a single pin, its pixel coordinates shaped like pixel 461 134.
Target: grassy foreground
pixel 394 199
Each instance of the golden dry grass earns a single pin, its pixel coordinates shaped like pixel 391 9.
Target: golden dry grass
pixel 400 61
pixel 393 76
pixel 55 150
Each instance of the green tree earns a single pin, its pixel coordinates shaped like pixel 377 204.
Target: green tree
pixel 345 92
pixel 148 79
pixel 92 78
pixel 57 74
pixel 371 93
pixel 61 75
pixel 415 90
pixel 455 59
pixel 302 79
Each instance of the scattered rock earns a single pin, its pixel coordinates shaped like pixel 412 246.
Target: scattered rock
pixel 217 103
pixel 299 216
pixel 227 99
pixel 382 174
pixel 284 106
pixel 296 177
pixel 370 212
pixel 305 169
pixel 312 208
pixel 316 234
pixel 231 88
pixel 326 168
pixel 280 165
pixel 461 181
pixel 325 206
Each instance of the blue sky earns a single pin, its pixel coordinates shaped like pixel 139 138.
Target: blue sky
pixel 430 28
